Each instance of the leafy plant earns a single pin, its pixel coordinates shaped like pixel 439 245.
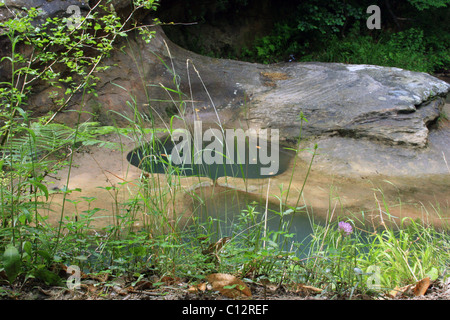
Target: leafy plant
pixel 427 4
pixel 308 27
pixel 66 59
pixel 11 262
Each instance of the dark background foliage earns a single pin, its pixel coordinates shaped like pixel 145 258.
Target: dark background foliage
pixel 414 34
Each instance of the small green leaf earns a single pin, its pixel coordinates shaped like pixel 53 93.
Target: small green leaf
pixel 50 278
pixel 11 262
pixel 27 247
pixel 433 274
pixel 44 254
pixel 40 186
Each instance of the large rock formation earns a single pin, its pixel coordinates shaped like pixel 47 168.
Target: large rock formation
pixel 368 119
pixel 355 104
pixel 390 105
pixel 349 108
pixel 358 101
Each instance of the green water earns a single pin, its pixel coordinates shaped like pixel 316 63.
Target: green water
pixel 228 215
pixel 157 158
pixel 227 212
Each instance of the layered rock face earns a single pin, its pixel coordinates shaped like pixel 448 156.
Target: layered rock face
pixel 359 101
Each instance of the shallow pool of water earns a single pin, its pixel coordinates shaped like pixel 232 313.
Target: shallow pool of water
pixel 248 161
pixel 227 211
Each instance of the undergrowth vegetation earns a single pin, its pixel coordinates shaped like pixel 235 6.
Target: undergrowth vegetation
pixel 342 257
pixel 413 34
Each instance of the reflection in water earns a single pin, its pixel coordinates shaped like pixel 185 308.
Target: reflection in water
pixel 228 211
pixel 246 162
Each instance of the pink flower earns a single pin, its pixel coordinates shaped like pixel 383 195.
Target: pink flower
pixel 345 228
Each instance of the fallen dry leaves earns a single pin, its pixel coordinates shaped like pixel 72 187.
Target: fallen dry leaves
pixel 304 289
pixel 168 280
pixel 419 289
pixel 229 285
pixel 143 285
pixel 198 288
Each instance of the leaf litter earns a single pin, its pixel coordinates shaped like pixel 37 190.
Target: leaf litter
pixel 215 286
